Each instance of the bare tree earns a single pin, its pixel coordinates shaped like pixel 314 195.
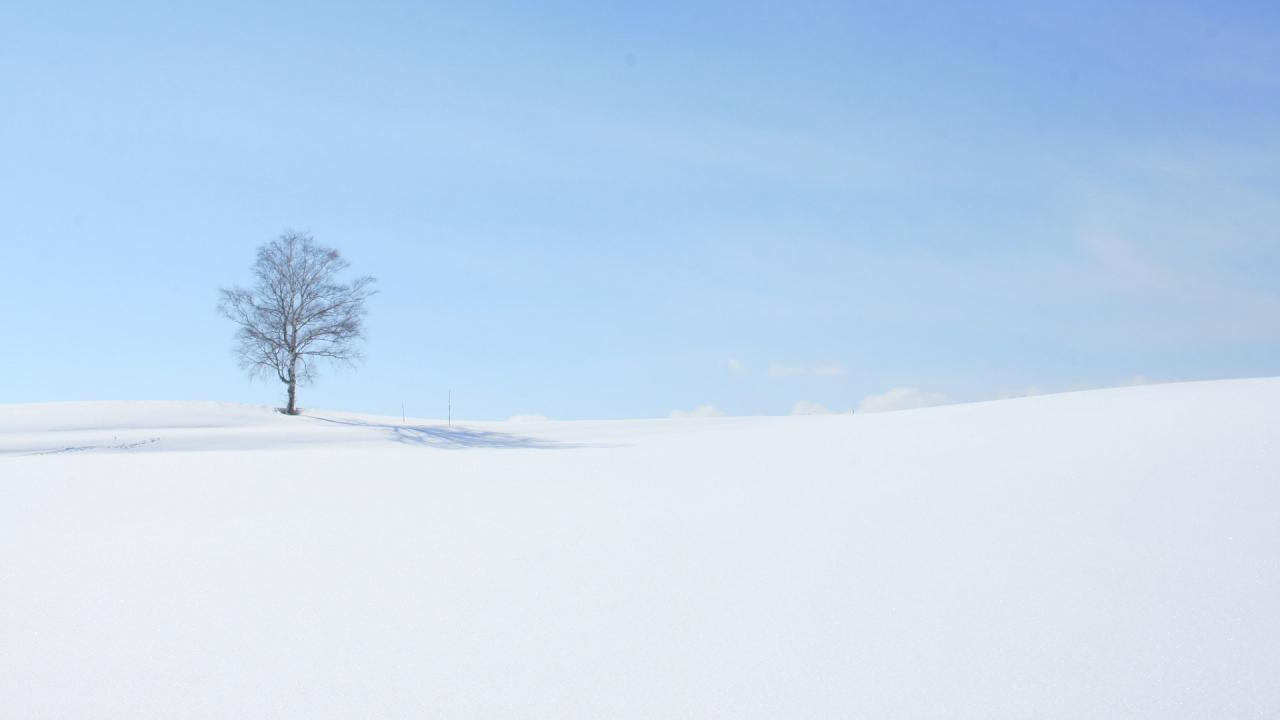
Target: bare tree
pixel 296 314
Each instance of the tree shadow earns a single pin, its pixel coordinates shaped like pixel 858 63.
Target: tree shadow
pixel 456 437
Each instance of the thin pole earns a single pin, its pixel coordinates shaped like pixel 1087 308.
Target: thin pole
pixel 401 412
pixel 451 408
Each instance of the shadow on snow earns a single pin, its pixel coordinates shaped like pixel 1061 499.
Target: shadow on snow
pixel 455 438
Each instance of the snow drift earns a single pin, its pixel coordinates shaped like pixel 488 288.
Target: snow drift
pixel 1101 554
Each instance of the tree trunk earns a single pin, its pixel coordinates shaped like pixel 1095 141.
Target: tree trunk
pixel 293 389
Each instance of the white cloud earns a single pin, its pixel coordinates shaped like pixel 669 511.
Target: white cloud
pixel 736 367
pixel 900 399
pixel 783 371
pixel 528 418
pixel 702 411
pixel 804 407
pixel 1029 391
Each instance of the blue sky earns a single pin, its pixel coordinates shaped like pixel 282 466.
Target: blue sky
pixel 583 211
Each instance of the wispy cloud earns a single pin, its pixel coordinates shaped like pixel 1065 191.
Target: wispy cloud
pixel 900 399
pixel 783 371
pixel 1174 241
pixel 736 368
pixel 702 411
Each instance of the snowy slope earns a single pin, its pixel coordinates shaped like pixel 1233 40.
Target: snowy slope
pixel 1090 555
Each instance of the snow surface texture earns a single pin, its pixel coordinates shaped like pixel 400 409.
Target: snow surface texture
pixel 1109 554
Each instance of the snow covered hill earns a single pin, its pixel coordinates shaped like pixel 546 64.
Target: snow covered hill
pixel 1108 554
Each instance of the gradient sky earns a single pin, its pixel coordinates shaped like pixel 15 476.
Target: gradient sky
pixel 583 211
